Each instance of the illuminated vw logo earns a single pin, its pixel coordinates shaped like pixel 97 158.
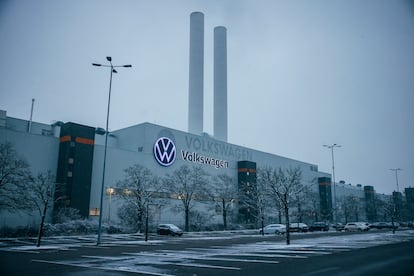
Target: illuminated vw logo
pixel 164 151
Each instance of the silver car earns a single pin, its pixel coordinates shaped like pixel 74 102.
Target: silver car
pixel 273 229
pixel 356 226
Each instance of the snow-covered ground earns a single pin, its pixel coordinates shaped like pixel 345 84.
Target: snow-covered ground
pixel 158 262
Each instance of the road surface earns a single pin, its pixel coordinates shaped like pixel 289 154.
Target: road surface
pixel 370 253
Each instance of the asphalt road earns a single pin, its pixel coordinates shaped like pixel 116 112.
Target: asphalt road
pixel 331 254
pixel 394 259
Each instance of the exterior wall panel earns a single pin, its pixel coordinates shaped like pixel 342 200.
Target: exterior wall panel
pixel 74 171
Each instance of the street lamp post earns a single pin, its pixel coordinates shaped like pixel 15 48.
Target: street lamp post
pixel 106 139
pixel 396 201
pixel 396 177
pixel 111 192
pixel 333 176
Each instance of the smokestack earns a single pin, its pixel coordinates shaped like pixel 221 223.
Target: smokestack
pixel 31 117
pixel 220 83
pixel 196 74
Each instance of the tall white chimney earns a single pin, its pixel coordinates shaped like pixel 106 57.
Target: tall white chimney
pixel 220 83
pixel 31 117
pixel 196 74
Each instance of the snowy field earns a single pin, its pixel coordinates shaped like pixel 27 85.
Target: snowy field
pixel 159 262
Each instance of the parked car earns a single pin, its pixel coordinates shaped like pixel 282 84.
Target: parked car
pixel 403 223
pixel 367 224
pixel 273 229
pixel 298 227
pixel 381 225
pixel 169 229
pixel 356 226
pixel 339 226
pixel 319 226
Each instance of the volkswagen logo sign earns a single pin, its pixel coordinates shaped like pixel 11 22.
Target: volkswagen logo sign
pixel 164 151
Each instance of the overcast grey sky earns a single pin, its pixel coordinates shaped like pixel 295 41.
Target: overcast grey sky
pixel 300 73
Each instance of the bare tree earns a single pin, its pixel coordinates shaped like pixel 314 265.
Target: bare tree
pixel 19 191
pixel 390 208
pixel 307 203
pixel 298 200
pixel 226 193
pixel 137 189
pixel 314 204
pixel 284 186
pixel 200 219
pixel 38 196
pixel 264 176
pixel 343 211
pixel 188 184
pixel 351 207
pixel 14 174
pixel 128 215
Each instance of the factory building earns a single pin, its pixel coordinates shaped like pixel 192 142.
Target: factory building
pixel 75 153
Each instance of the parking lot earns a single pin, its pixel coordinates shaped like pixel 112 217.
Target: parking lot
pixel 204 253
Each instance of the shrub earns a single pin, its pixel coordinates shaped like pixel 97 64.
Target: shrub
pixel 26 231
pixel 74 227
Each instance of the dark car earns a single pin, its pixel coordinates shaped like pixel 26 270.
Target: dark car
pixel 319 226
pixel 298 227
pixel 169 229
pixel 384 225
pixel 381 225
pixel 339 226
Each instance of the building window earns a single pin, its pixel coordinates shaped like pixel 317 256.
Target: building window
pixel 94 212
pixel 71 160
pixel 69 174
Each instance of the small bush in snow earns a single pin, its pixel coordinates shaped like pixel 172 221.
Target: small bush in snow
pixel 9 232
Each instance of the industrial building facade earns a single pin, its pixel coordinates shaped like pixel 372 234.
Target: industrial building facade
pixel 75 154
pixel 163 151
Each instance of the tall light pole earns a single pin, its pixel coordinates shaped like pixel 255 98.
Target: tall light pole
pixel 333 175
pixel 111 191
pixel 106 139
pixel 396 177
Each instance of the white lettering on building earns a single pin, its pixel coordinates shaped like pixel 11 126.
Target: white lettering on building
pixel 205 160
pixel 214 147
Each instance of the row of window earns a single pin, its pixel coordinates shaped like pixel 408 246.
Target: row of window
pixel 112 191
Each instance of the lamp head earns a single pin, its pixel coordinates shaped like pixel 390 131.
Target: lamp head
pixel 108 58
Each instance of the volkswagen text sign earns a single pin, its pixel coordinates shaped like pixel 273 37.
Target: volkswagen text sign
pixel 164 151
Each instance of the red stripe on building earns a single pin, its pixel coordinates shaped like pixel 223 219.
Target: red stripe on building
pixel 324 184
pixel 85 141
pixel 66 138
pixel 246 169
